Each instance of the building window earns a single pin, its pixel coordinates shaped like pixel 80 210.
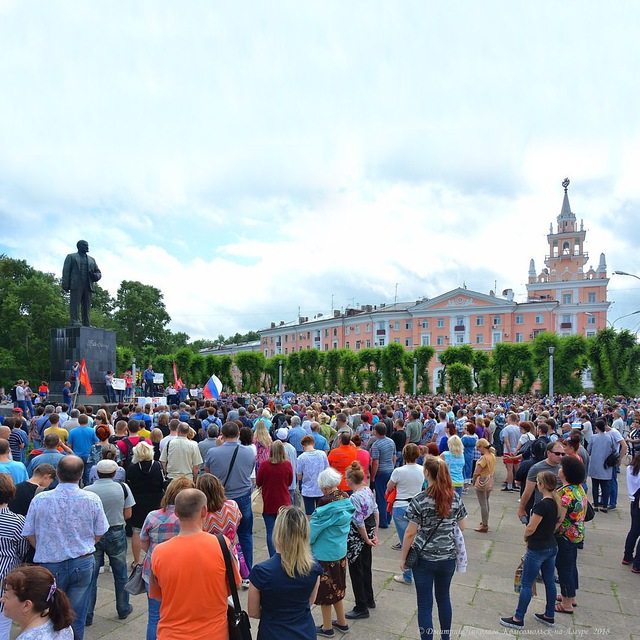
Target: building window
pixel 308 335
pixel 302 336
pixel 566 298
pixel 519 319
pixel 346 344
pixel 326 333
pixel 537 332
pixel 271 339
pixel 266 353
pixel 396 326
pixel 407 342
pixel 286 351
pixel 591 297
pixel 381 342
pixel 347 331
pixel 496 337
pixel 590 334
pixel 425 324
pixel 358 343
pixel 335 332
pixel 566 317
pixel 479 339
pixel 357 329
pixel 368 328
pixel 425 339
pixel 480 321
pixel 440 340
pixel 460 338
pixel 396 340
pixel 440 323
pixel 497 320
pixel 368 343
pixel 519 337
pixel 286 337
pixel 326 347
pixel 591 319
pixel 539 319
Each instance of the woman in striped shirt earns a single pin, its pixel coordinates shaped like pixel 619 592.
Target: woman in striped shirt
pixel 13 547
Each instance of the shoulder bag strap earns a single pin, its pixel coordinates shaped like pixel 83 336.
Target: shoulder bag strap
pixel 233 461
pixel 230 576
pixel 433 533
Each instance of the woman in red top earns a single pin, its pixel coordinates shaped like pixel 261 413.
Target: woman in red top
pixel 275 475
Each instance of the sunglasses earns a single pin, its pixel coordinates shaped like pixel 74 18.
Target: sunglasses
pixel 559 453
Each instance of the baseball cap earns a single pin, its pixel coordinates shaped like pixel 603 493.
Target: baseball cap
pixel 107 466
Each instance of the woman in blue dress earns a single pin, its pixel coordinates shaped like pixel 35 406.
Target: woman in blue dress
pixel 469 440
pixel 282 589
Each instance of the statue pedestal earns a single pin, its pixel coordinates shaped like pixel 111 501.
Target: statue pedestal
pixel 72 344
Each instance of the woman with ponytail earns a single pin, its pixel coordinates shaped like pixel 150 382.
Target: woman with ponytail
pixel 433 515
pixel 32 599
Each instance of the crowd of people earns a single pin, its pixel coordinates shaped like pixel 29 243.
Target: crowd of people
pixel 328 472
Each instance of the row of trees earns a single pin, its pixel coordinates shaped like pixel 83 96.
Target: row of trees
pixel 32 303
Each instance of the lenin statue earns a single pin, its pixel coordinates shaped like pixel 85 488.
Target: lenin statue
pixel 79 273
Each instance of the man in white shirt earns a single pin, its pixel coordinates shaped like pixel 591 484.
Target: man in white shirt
pixel 181 457
pixel 619 440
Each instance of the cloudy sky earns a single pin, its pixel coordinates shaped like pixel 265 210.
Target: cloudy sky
pixel 255 158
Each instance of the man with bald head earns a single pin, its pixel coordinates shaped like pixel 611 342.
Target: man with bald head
pixel 194 603
pixel 63 525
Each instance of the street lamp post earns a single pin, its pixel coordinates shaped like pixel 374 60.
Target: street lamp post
pixel 551 350
pixel 133 376
pixel 415 375
pixel 280 377
pixel 624 273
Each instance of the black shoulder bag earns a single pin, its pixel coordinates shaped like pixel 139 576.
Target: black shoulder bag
pixel 414 554
pixel 233 461
pixel 238 620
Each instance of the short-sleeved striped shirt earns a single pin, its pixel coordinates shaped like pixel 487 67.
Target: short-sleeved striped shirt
pixel 13 547
pixel 159 526
pixel 383 450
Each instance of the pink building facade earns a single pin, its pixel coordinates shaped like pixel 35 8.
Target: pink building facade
pixel 565 297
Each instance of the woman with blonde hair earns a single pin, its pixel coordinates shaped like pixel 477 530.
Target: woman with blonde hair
pixel 483 481
pixel 454 457
pixel 292 570
pixel 433 515
pixel 146 481
pixel 262 441
pixel 274 477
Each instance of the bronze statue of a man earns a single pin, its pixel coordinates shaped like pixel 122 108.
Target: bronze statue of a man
pixel 79 273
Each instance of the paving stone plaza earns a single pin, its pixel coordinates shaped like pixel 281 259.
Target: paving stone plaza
pixel 608 600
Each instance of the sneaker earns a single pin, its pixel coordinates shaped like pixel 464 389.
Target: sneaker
pixel 245 583
pixel 511 623
pixel 603 510
pixel 401 580
pixel 506 489
pixel 634 570
pixel 627 562
pixel 540 617
pixel 340 627
pixel 323 632
pixel 124 616
pixel 396 547
pixel 613 508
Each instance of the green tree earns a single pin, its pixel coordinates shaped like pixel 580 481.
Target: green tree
pixel 349 380
pixel 392 364
pixel 455 353
pixel 102 307
pixel 480 363
pixel 615 362
pixel 423 356
pixel 570 359
pixel 140 316
pixel 460 378
pixel 311 362
pixel 251 366
pixel 511 362
pixel 292 374
pixel 370 359
pixel 272 372
pixel 183 359
pixel 124 359
pixel 332 366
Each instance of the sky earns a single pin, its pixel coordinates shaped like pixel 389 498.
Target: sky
pixel 260 160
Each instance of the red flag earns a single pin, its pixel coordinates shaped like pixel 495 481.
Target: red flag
pixel 177 382
pixel 84 378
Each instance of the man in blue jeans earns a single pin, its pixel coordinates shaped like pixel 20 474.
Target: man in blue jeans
pixel 383 461
pixel 117 501
pixel 63 525
pixel 232 463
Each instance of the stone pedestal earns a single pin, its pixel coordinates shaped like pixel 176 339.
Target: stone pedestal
pixel 71 344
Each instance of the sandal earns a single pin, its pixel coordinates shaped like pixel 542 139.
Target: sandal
pixel 559 599
pixel 561 609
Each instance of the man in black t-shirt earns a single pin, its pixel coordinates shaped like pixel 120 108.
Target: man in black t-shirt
pixel 43 475
pixel 399 436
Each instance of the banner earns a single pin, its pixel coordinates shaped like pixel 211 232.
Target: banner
pixel 119 384
pixel 84 378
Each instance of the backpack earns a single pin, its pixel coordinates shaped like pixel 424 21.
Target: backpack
pixel 126 461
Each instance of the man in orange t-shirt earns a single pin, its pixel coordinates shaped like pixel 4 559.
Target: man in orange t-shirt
pixel 342 456
pixel 189 577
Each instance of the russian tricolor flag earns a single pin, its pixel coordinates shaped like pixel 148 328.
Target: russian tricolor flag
pixel 213 388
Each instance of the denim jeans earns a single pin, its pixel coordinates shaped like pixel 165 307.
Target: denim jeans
pixel 269 523
pixel 401 526
pixel 613 488
pixel 567 566
pixel 543 560
pixel 380 483
pixel 74 578
pixel 114 544
pixel 600 489
pixel 245 528
pixel 154 616
pixel 430 576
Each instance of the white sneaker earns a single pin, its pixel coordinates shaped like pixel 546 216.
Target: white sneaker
pixel 245 583
pixel 101 570
pixel 401 580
